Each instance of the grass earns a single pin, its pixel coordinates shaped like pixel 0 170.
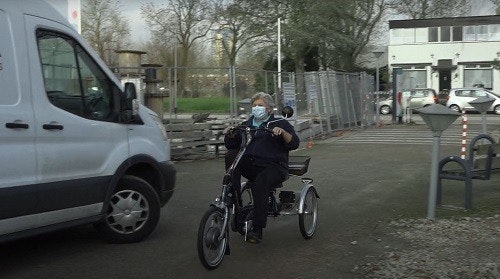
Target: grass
pixel 189 105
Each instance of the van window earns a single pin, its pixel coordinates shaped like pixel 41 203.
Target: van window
pixel 9 94
pixel 73 81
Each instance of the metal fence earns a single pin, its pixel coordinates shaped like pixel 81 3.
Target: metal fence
pixel 329 100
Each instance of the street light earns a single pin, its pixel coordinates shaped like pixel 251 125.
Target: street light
pixel 482 104
pixel 377 56
pixel 377 84
pixel 438 118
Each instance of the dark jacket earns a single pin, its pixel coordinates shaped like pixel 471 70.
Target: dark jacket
pixel 264 145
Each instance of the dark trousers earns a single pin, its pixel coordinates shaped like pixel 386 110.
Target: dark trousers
pixel 264 177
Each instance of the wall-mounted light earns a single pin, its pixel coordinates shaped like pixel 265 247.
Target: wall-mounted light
pixel 432 56
pixel 393 57
pixel 498 53
pixel 457 55
pixel 456 75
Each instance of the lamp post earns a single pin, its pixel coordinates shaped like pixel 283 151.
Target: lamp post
pixel 482 104
pixel 438 118
pixel 377 84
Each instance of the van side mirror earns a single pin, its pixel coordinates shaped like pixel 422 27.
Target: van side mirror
pixel 130 91
pixel 130 104
pixel 287 112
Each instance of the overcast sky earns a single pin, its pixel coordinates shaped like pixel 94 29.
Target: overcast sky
pixel 132 11
pixel 139 32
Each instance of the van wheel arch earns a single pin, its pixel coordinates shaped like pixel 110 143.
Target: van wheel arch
pixel 132 213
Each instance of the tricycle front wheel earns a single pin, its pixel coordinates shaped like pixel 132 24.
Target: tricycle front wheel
pixel 308 219
pixel 211 249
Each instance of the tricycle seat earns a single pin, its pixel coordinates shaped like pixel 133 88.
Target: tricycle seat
pixel 298 165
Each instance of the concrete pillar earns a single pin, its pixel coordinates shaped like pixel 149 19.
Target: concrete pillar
pixel 153 97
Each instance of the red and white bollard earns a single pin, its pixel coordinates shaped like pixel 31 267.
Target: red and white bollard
pixel 464 135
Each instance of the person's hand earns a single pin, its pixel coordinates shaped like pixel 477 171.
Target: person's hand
pixel 277 131
pixel 229 131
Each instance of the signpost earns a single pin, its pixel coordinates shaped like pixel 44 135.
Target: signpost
pixel 289 96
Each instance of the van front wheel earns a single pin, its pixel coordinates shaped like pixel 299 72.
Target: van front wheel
pixel 133 212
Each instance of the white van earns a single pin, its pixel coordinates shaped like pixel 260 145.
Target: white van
pixel 73 147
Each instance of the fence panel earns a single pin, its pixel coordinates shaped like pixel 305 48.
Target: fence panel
pixel 331 100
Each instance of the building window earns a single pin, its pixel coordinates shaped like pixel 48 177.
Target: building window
pixel 414 79
pixel 445 34
pixel 469 33
pixel 433 34
pixel 402 36
pixel 478 78
pixel 482 32
pixel 495 32
pixel 457 33
pixel 421 35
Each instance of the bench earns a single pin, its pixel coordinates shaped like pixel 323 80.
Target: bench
pixel 483 160
pixel 193 139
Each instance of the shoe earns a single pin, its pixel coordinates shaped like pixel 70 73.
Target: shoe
pixel 254 236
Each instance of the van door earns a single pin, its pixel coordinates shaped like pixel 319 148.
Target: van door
pixel 79 141
pixel 18 189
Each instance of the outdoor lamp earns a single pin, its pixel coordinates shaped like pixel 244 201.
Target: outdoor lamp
pixel 438 118
pixel 482 104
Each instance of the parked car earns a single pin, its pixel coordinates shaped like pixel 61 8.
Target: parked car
pixel 459 99
pixel 416 98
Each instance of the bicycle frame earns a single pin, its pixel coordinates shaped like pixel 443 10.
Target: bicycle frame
pixel 223 202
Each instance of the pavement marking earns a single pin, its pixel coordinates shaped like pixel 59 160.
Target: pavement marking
pixel 406 135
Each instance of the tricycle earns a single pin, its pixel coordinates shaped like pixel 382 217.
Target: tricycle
pixel 232 209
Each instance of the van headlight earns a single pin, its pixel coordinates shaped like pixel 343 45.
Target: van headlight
pixel 160 125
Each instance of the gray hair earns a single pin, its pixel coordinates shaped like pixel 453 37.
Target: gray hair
pixel 268 99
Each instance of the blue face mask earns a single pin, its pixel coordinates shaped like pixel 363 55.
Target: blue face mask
pixel 259 112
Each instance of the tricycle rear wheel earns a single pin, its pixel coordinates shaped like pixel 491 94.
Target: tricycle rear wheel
pixel 308 219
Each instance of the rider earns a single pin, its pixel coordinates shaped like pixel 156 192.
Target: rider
pixel 265 161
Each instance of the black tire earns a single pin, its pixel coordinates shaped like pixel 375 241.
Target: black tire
pixel 211 251
pixel 455 108
pixel 496 110
pixel 133 212
pixel 385 109
pixel 309 219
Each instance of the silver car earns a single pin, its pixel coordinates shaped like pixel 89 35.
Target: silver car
pixel 416 98
pixel 459 99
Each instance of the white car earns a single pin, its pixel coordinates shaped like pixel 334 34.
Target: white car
pixel 416 98
pixel 459 99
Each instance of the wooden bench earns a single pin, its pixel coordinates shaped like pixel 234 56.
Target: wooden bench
pixel 483 160
pixel 193 139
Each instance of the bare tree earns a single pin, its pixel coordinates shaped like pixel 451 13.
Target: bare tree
pixel 237 27
pixel 345 28
pixel 420 9
pixel 104 28
pixel 496 3
pixel 180 23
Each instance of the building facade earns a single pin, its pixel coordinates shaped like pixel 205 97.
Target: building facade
pixel 445 53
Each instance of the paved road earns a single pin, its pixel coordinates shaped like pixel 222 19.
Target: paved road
pixel 361 187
